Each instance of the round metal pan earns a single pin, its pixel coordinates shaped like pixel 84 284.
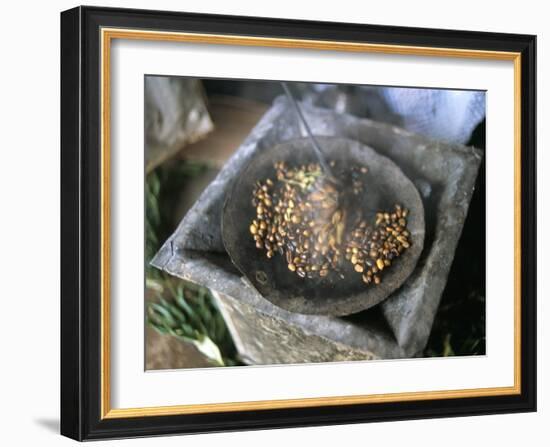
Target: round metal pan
pixel 385 186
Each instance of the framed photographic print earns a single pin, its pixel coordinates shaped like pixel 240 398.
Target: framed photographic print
pixel 271 223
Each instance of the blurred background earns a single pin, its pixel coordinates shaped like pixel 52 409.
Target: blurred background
pixel 193 126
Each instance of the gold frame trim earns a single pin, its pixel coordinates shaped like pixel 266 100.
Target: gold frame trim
pixel 107 35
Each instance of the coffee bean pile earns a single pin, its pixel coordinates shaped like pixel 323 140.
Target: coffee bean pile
pixel 298 216
pixel 373 249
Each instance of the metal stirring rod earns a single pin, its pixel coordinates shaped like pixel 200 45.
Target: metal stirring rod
pixel 318 151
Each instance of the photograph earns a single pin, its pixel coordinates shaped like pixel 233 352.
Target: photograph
pixel 272 223
pixel 298 222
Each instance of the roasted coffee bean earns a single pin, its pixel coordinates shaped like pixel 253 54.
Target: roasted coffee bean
pixel 298 216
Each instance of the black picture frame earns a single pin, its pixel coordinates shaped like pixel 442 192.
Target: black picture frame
pixel 81 393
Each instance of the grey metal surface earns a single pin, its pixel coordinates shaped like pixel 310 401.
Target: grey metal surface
pixel 399 327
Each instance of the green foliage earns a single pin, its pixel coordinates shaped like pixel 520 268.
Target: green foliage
pixel 191 316
pixel 181 309
pixel 162 189
pixel 459 328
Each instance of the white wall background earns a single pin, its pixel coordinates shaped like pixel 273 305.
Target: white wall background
pixel 29 225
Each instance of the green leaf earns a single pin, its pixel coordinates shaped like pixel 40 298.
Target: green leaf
pixel 193 317
pixel 164 314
